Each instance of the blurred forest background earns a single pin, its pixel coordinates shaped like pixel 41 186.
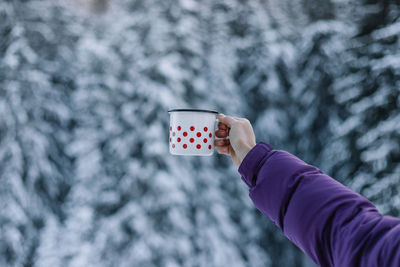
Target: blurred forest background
pixel 85 174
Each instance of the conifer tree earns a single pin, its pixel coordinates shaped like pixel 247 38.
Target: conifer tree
pixel 36 120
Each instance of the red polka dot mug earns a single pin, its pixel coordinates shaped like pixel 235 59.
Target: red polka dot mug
pixel 191 132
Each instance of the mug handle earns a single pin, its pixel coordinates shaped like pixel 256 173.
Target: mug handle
pixel 216 128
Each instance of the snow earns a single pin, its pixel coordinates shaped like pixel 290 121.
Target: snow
pixel 189 4
pixel 389 61
pixel 379 152
pixel 348 125
pixel 392 30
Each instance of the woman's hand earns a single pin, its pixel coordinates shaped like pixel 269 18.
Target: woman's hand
pixel 241 137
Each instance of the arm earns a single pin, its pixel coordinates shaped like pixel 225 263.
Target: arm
pixel 333 225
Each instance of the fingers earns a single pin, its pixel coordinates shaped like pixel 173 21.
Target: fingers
pixel 227 120
pixel 221 133
pixel 222 126
pixel 223 150
pixel 223 130
pixel 223 146
pixel 222 142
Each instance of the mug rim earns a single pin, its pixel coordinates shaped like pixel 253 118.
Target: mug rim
pixel 192 110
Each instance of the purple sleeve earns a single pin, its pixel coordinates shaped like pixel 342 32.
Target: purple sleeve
pixel 333 225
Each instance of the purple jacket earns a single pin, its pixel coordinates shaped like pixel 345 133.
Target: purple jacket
pixel 333 225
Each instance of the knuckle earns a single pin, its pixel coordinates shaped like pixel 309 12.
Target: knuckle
pixel 244 122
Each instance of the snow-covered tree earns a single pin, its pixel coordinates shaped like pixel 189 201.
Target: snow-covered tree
pixel 368 132
pixel 86 177
pixel 134 203
pixel 36 82
pixel 348 99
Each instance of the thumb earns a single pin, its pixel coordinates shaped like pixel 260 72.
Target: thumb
pixel 227 120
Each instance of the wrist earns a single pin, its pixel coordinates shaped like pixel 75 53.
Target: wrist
pixel 244 150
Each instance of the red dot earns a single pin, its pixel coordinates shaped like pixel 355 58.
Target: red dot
pixel 209 147
pixel 210 135
pixel 184 146
pixel 192 128
pixel 184 133
pixel 179 139
pixel 198 134
pixel 170 139
pixel 205 140
pixel 198 146
pixel 173 145
pixel 179 128
pixel 191 140
pixel 170 128
pixel 205 129
pixel 173 133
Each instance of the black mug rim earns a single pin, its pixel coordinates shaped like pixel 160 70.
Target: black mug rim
pixel 192 110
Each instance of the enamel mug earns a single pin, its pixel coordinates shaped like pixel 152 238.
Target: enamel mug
pixel 191 132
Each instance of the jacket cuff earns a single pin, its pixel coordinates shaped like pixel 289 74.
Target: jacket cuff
pixel 250 165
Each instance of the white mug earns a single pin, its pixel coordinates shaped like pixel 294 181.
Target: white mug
pixel 192 132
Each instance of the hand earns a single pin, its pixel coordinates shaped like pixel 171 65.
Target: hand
pixel 241 137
